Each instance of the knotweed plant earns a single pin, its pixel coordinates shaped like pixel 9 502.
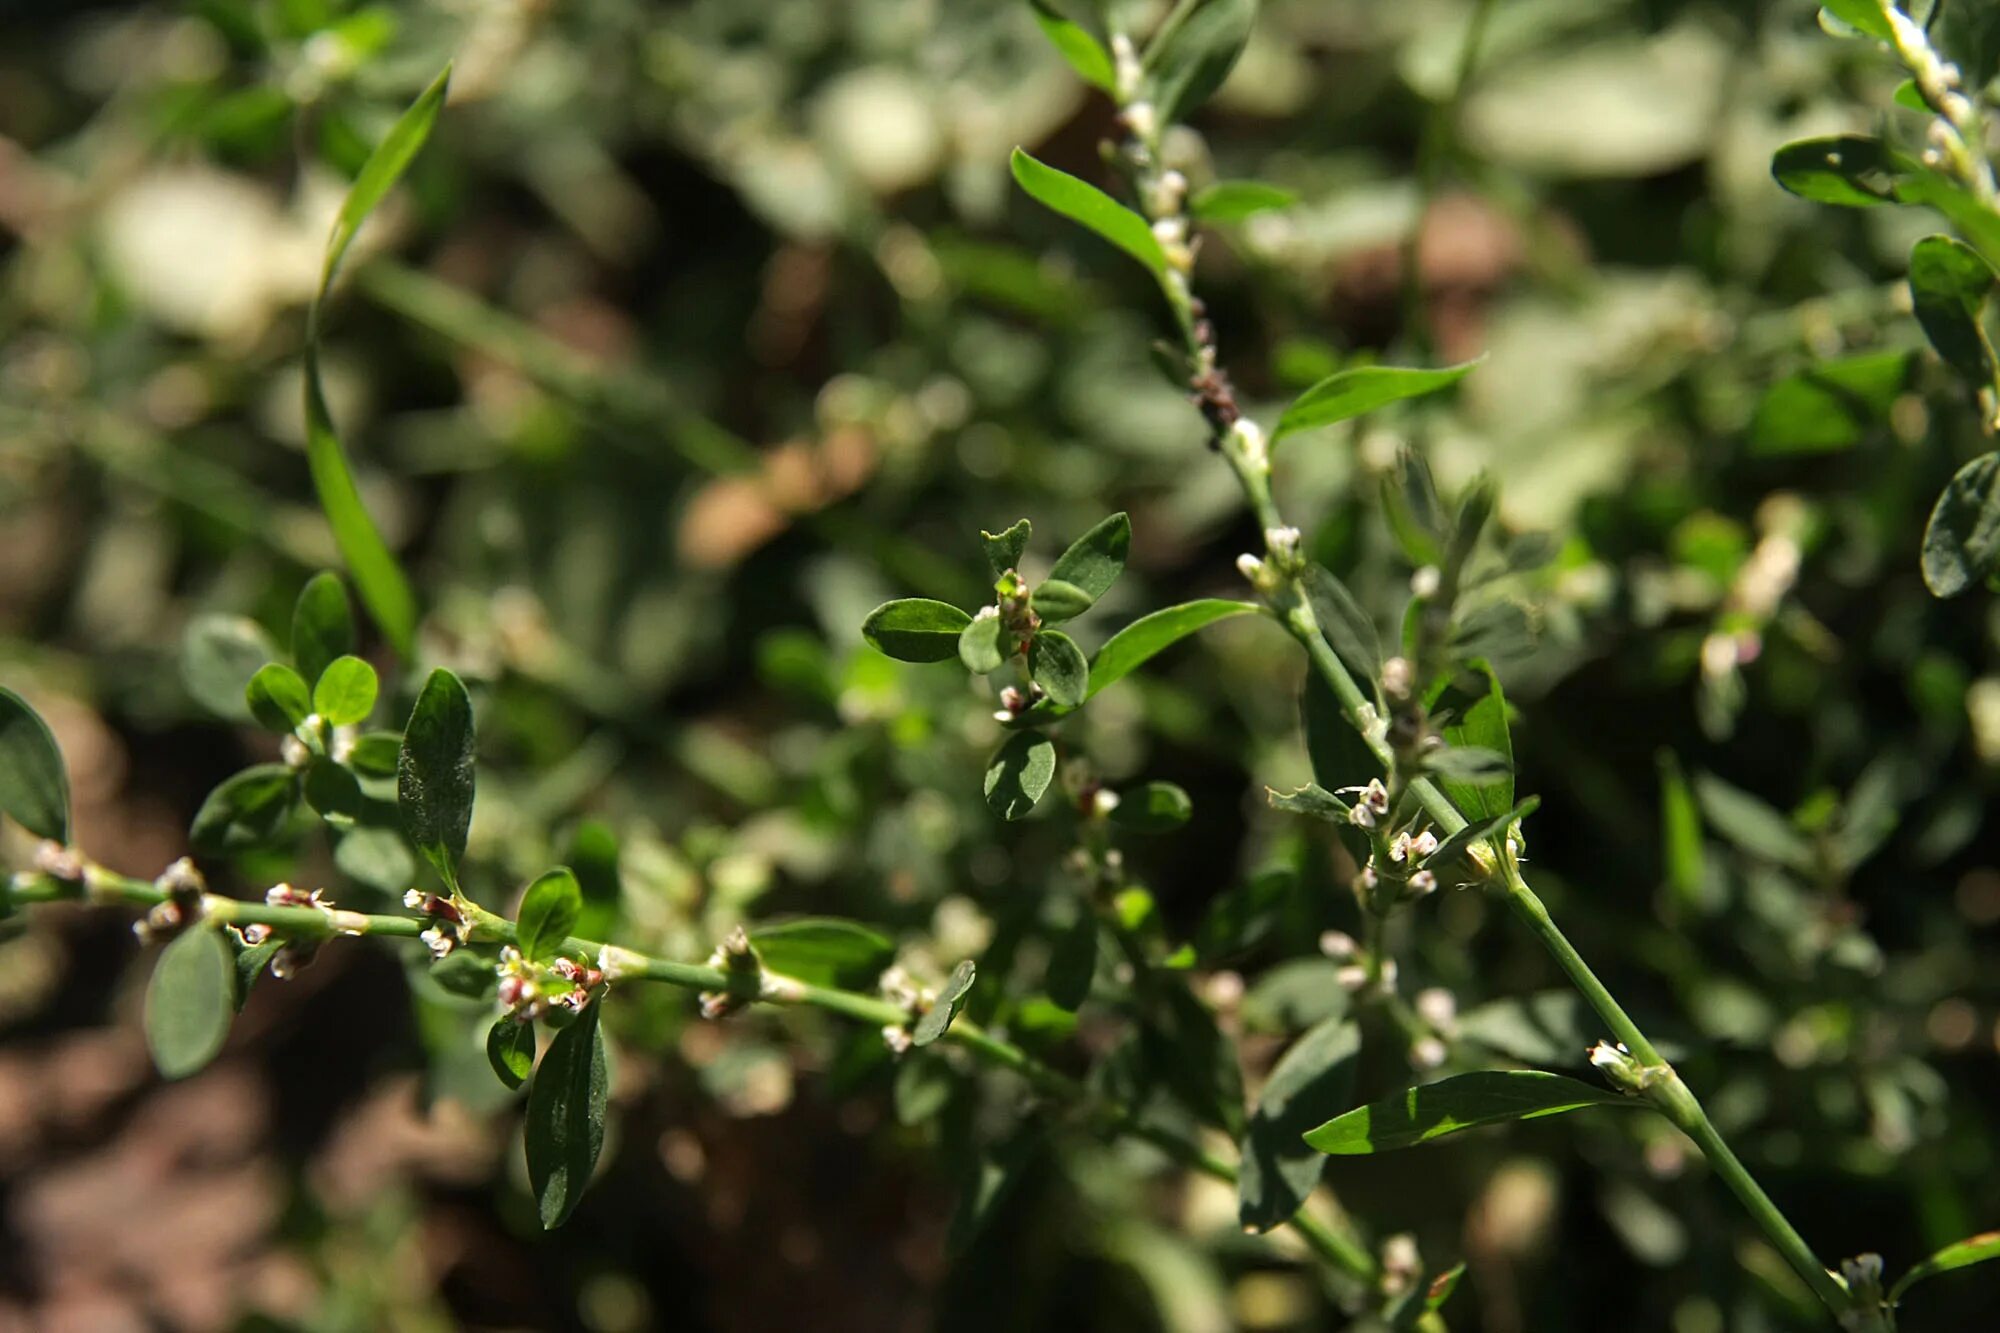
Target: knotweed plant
pixel 1408 733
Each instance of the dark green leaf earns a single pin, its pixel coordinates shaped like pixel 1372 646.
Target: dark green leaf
pixel 1196 1061
pixel 1096 559
pixel 1479 723
pixel 1074 962
pixel 824 950
pixel 1083 52
pixel 434 776
pixel 1018 774
pixel 1347 628
pixel 565 1129
pixel 278 697
pixel 1233 201
pixel 1960 1254
pixel 322 625
pixel 1131 647
pixel 1057 665
pixel 467 974
pixel 251 960
pixel 247 810
pixel 1962 539
pixel 1340 757
pixel 994 1176
pixel 1055 601
pixel 1469 766
pixel 1085 204
pixel 1848 169
pixel 1312 1083
pixel 331 790
pixel 189 1001
pixel 510 1049
pixel 384 589
pixel 1452 848
pixel 34 785
pixel 1156 807
pixel 979 645
pixel 1830 406
pixel 916 629
pixel 548 914
pixel 1437 1109
pixel 1686 864
pixel 1553 1027
pixel 1192 54
pixel 1243 916
pixel 937 1020
pixel 1949 284
pixel 345 694
pixel 377 857
pixel 1350 393
pixel 593 854
pixel 1751 824
pixel 1005 548
pixel 924 1085
pixel 1415 514
pixel 219 655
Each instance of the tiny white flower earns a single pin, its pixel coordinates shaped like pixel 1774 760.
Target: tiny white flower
pixel 1426 581
pixel 1338 945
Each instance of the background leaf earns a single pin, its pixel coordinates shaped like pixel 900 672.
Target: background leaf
pixel 1193 52
pixel 322 625
pixel 219 655
pixel 824 950
pixel 1962 539
pixel 937 1020
pixel 1311 1083
pixel 1351 393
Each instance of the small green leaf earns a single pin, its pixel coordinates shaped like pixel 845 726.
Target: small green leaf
pixel 548 914
pixel 384 588
pixel 1056 601
pixel 1074 962
pixel 345 695
pixel 510 1049
pixel 937 1020
pixel 1850 170
pixel 1057 665
pixel 1193 52
pixel 1005 548
pixel 34 785
pixel 1085 54
pixel 1096 559
pixel 1830 406
pixel 322 625
pixel 245 811
pixel 331 790
pixel 979 645
pixel 823 950
pixel 251 961
pixel 1019 772
pixel 434 775
pixel 189 1001
pixel 1348 629
pixel 1233 201
pixel 1311 799
pixel 1949 284
pixel 565 1129
pixel 468 974
pixel 1156 807
pixel 1453 1104
pixel 219 655
pixel 1310 1084
pixel 916 629
pixel 1910 97
pixel 1090 207
pixel 1136 644
pixel 1960 1254
pixel 1350 393
pixel 1863 16
pixel 1962 539
pixel 1442 1286
pixel 1478 711
pixel 278 697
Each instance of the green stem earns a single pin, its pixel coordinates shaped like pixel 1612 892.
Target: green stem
pixel 102 886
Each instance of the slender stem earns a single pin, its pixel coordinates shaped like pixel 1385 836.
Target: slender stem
pixel 102 886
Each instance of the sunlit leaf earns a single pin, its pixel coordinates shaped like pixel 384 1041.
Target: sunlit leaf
pixel 916 629
pixel 1090 207
pixel 937 1020
pixel 1960 1254
pixel 1019 772
pixel 1136 644
pixel 1446 1107
pixel 1351 393
pixel 1057 665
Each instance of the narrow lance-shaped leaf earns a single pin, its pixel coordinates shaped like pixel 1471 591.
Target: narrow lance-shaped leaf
pixel 937 1020
pixel 1090 207
pixel 1960 1254
pixel 380 580
pixel 916 629
pixel 1132 647
pixel 1019 772
pixel 1085 54
pixel 322 625
pixel 1192 54
pixel 1445 1107
pixel 1233 201
pixel 189 1001
pixel 1350 393
pixel 565 1127
pixel 1479 722
pixel 1962 539
pixel 1949 284
pixel 1348 629
pixel 1313 1081
pixel 34 785
pixel 434 775
pixel 549 911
